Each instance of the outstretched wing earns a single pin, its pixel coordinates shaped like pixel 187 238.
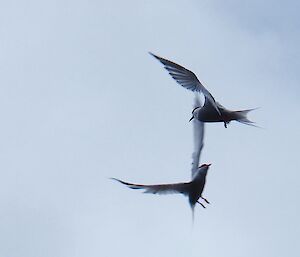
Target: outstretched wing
pixel 178 188
pixel 198 129
pixel 186 78
pixel 208 105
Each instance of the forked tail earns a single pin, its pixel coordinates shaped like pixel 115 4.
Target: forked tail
pixel 242 117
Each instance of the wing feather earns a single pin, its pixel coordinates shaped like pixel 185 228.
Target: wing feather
pixel 186 78
pixel 179 188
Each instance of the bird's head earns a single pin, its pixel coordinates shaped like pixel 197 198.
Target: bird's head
pixel 204 167
pixel 194 112
pixel 201 172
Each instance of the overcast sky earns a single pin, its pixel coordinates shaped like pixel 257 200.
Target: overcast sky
pixel 81 100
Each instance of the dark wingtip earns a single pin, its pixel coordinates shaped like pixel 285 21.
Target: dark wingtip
pixel 155 56
pixel 132 186
pixel 118 180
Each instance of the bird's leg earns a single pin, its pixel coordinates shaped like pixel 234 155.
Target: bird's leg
pixel 201 204
pixel 205 200
pixel 225 124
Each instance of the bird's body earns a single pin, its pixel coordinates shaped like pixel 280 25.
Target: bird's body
pixel 207 113
pixel 196 186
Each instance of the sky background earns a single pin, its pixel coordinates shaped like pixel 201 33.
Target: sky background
pixel 81 101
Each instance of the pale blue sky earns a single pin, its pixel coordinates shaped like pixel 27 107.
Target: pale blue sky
pixel 81 101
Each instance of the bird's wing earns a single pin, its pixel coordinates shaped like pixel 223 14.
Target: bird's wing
pixel 208 105
pixel 182 188
pixel 198 129
pixel 186 78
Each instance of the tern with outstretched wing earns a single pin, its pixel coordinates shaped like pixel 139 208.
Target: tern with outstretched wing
pixel 193 189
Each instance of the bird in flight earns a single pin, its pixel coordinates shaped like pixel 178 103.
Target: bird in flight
pixel 207 113
pixel 187 79
pixel 192 189
pixel 212 111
